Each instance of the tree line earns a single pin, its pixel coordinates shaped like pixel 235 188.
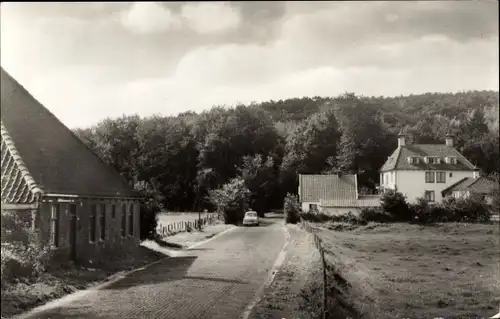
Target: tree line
pixel 178 160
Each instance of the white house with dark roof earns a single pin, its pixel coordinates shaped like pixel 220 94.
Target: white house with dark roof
pixel 425 170
pixel 333 194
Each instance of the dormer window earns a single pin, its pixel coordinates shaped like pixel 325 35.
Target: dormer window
pixel 432 160
pixel 451 160
pixel 413 160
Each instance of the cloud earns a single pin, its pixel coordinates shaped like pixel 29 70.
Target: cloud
pixel 211 17
pixel 224 53
pixel 149 17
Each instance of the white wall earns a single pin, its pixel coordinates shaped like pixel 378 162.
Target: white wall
pixel 412 183
pixel 305 206
pixel 340 210
pixel 388 179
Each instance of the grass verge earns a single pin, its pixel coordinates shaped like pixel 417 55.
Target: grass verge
pixel 411 271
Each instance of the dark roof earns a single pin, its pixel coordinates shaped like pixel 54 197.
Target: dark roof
pixel 55 159
pixel 313 188
pixel 480 185
pixel 399 158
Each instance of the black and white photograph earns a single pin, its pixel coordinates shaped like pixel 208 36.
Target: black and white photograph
pixel 250 160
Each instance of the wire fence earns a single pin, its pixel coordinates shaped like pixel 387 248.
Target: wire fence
pixel 172 228
pixel 318 243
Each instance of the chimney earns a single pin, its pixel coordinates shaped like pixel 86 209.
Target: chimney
pixel 449 140
pixel 401 139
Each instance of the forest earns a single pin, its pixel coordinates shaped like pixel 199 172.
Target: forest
pixel 177 160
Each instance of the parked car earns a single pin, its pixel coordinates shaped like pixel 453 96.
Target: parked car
pixel 251 218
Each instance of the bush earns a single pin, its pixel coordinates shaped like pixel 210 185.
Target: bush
pixel 375 214
pixel 426 213
pixel 394 203
pixel 291 209
pixel 150 207
pixel 231 200
pixel 315 217
pixel 471 209
pixel 348 218
pixel 24 256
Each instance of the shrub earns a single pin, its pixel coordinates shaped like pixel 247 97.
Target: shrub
pixel 231 200
pixel 394 203
pixel 471 209
pixel 291 209
pixel 315 217
pixel 150 207
pixel 348 218
pixel 495 203
pixel 23 255
pixel 375 214
pixel 426 213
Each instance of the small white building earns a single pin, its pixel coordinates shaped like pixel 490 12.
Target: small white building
pixel 481 186
pixel 425 170
pixel 333 194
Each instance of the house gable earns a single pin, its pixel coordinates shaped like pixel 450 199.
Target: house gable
pixel 56 158
pixel 18 186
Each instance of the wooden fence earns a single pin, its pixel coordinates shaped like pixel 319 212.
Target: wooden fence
pixel 172 228
pixel 318 243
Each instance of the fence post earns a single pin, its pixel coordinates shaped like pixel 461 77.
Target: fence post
pixel 325 287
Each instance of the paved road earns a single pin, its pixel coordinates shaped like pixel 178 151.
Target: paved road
pixel 215 280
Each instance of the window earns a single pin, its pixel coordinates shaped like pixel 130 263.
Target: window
pixel 429 196
pixel 451 174
pixel 451 160
pixel 131 220
pixel 413 160
pixel 54 221
pixel 440 177
pixel 113 211
pixel 313 207
pixel 382 179
pixel 433 160
pixel 429 177
pixel 102 222
pixel 124 220
pixel 92 223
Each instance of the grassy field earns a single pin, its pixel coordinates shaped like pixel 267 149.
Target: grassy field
pixel 410 271
pixel 171 217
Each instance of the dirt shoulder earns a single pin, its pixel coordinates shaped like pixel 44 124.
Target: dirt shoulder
pixel 410 271
pixel 283 297
pixel 25 295
pixel 172 245
pixel 188 239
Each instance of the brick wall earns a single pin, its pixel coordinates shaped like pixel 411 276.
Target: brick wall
pixel 114 245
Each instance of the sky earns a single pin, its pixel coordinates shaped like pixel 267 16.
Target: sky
pixel 89 61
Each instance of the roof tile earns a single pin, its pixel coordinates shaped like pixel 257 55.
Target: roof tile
pixel 333 187
pixel 399 158
pixel 480 185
